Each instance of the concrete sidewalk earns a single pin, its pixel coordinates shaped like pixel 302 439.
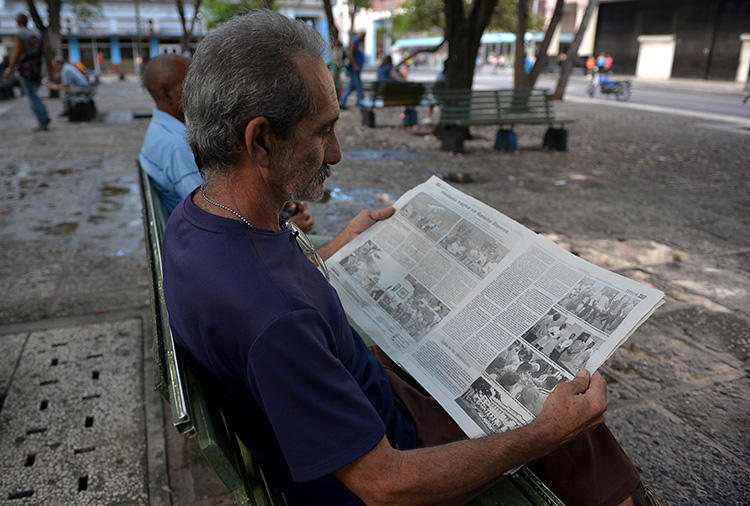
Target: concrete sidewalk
pixel 661 199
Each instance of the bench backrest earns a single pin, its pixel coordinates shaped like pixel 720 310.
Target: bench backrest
pixel 477 107
pixel 398 93
pixel 193 413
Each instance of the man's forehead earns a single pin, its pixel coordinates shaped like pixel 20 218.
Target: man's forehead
pixel 320 85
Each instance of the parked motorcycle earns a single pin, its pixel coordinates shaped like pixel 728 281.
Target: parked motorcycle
pixel 621 89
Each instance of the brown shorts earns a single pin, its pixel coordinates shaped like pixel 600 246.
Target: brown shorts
pixel 591 470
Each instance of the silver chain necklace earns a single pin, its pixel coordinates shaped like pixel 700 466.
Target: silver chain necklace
pixel 302 240
pixel 226 208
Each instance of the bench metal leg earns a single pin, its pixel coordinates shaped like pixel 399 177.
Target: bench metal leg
pixel 506 139
pixel 453 140
pixel 368 118
pixel 556 138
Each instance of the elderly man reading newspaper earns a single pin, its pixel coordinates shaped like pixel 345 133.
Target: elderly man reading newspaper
pixel 329 421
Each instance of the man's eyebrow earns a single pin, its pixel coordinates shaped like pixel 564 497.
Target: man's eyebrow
pixel 329 122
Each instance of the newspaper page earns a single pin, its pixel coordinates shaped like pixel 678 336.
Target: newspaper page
pixel 485 314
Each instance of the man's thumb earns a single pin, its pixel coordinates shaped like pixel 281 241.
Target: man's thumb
pixel 581 382
pixel 381 214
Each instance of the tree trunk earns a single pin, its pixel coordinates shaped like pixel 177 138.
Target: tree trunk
pixel 567 67
pixel 541 54
pixel 333 31
pixel 463 36
pixel 519 65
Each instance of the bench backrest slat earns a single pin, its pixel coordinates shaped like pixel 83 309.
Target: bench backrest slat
pixel 467 107
pixel 398 93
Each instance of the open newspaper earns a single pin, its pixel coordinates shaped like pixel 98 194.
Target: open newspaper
pixel 485 314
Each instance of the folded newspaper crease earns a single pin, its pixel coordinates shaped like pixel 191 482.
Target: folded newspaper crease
pixel 486 314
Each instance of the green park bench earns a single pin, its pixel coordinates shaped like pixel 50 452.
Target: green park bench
pixel 506 108
pixel 196 415
pixel 389 94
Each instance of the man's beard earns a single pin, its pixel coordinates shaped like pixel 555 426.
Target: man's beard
pixel 314 189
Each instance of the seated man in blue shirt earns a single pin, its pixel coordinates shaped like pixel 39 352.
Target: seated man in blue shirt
pixel 330 421
pixel 166 156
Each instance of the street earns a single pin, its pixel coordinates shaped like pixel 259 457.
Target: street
pixel 722 98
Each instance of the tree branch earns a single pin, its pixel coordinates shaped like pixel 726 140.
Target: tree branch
pixel 419 51
pixel 36 17
pixel 541 53
pixel 196 9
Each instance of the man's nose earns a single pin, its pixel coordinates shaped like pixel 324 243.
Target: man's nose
pixel 333 150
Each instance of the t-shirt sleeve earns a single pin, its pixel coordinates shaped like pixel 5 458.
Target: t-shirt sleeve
pixel 321 418
pixel 183 172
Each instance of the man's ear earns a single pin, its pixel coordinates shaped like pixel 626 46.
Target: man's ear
pixel 258 140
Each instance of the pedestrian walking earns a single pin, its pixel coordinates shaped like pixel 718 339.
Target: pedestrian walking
pixel 337 63
pixel 356 60
pixel 27 59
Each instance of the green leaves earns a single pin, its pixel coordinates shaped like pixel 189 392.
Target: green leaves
pixel 215 12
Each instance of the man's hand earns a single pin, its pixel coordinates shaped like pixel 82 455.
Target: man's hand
pixel 364 220
pixel 574 407
pixel 6 74
pixel 302 217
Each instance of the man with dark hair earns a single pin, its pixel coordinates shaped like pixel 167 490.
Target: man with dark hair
pixel 27 59
pixel 329 421
pixel 166 156
pixel 354 70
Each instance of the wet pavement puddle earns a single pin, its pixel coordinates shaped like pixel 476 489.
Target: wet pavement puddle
pixel 375 155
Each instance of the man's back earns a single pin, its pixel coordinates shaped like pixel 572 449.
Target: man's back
pixel 72 76
pixel 168 159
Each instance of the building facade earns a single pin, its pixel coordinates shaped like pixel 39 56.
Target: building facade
pixel 704 39
pixel 121 30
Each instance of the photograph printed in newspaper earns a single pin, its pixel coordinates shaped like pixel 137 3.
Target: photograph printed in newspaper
pixel 487 315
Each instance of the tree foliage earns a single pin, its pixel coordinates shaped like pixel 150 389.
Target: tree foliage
pixel 216 12
pixel 429 16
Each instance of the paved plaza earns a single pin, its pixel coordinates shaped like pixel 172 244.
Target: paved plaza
pixel 663 199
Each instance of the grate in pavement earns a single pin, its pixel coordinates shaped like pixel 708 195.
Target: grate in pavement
pixel 71 428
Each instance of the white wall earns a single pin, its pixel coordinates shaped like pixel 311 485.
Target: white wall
pixel 655 56
pixel 744 64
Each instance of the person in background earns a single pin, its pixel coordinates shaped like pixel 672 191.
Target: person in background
pixel 336 64
pixel 386 73
pixel 28 57
pixel 72 79
pixel 354 70
pixel 590 63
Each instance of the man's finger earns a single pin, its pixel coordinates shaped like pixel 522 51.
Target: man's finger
pixel 381 214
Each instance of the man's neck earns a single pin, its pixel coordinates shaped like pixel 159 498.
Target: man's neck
pixel 175 114
pixel 246 194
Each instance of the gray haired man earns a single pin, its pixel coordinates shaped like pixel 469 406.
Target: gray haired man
pixel 265 331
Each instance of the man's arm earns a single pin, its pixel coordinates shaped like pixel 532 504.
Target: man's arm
pixel 364 220
pixel 352 50
pixel 16 56
pixel 440 473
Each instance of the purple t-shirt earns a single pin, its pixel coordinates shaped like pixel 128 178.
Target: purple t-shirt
pixel 266 333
